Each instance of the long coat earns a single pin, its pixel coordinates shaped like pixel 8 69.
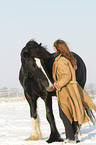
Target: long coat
pixel 71 97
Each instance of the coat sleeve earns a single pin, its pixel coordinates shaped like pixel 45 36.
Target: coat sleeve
pixel 63 75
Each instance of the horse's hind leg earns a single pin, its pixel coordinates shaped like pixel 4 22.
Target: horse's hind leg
pixel 54 136
pixel 36 133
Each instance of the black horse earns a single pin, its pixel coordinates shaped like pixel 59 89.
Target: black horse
pixel 34 82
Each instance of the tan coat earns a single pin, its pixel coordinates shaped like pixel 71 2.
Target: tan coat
pixel 71 97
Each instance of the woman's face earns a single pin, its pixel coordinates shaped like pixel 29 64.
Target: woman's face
pixel 55 50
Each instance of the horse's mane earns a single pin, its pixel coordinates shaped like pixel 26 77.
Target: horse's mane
pixel 33 43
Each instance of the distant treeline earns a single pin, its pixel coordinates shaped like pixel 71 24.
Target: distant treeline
pixel 5 92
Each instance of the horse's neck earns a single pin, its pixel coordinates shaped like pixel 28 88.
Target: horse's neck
pixel 38 62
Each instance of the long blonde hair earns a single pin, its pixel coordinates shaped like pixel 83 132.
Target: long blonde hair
pixel 63 49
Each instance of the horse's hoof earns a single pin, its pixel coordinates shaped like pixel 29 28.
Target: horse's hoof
pixel 55 138
pixel 50 140
pixel 33 138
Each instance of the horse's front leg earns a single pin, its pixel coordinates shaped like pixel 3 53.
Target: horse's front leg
pixel 54 136
pixel 36 133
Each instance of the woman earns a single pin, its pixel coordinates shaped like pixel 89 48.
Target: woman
pixel 72 98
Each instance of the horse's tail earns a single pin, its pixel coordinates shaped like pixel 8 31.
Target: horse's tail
pixel 91 116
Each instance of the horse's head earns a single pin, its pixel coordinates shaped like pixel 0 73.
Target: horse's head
pixel 27 63
pixel 35 50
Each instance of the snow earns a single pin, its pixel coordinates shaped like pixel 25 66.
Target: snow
pixel 15 124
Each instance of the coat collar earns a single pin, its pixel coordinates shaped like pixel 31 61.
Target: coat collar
pixel 58 57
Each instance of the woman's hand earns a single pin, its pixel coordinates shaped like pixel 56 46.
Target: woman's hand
pixel 51 88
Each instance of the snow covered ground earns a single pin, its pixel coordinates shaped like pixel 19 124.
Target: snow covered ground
pixel 15 124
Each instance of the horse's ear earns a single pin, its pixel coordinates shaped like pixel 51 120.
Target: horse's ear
pixel 40 44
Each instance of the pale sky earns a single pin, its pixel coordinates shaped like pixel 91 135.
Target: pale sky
pixel 74 21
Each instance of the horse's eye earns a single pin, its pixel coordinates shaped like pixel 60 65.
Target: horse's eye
pixel 26 55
